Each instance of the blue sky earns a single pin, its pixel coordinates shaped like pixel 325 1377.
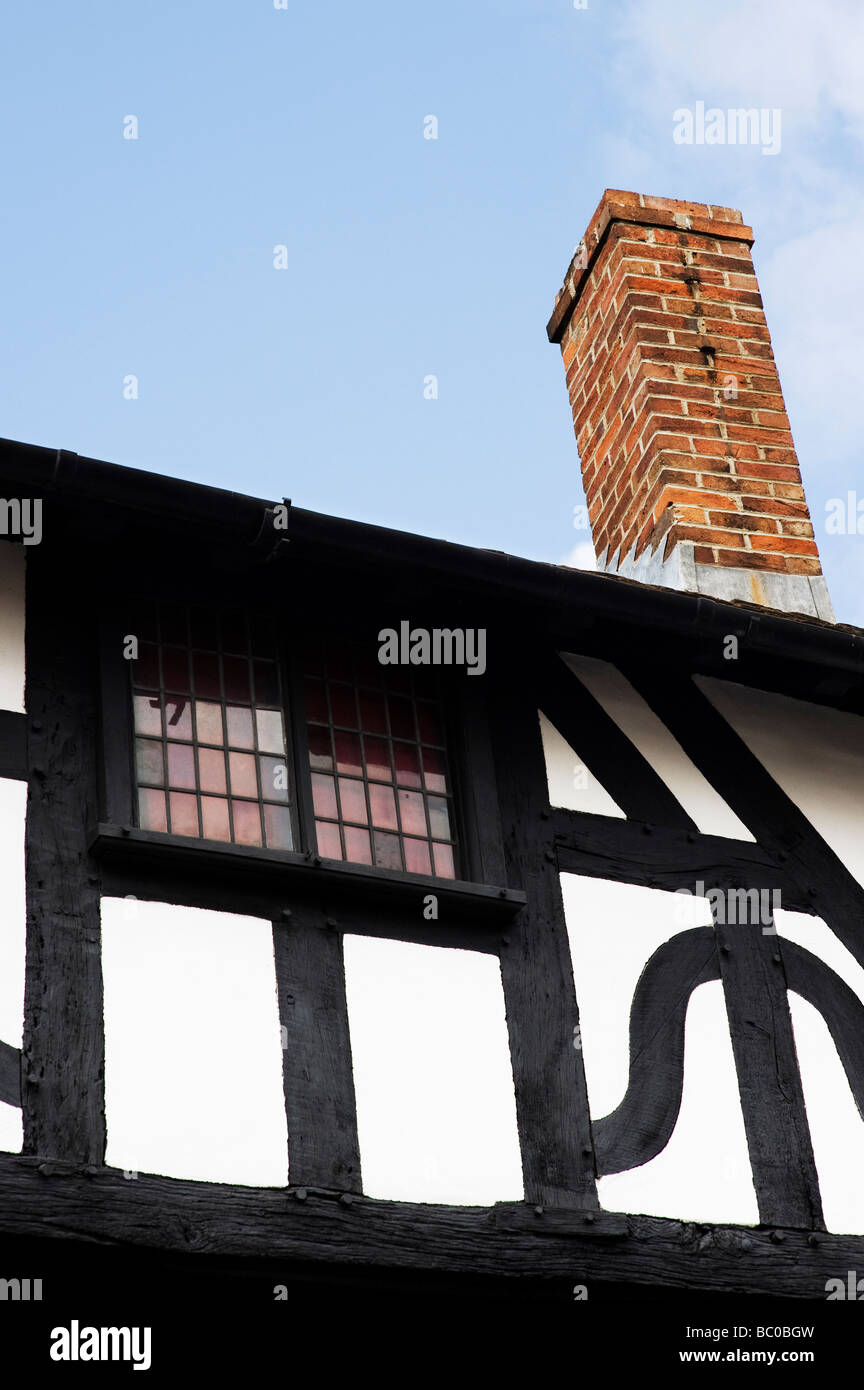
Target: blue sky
pixel 406 257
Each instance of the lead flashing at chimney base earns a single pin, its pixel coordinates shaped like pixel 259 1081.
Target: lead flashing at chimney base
pixel 690 470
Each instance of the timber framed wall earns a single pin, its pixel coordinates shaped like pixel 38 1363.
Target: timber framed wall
pixel 79 849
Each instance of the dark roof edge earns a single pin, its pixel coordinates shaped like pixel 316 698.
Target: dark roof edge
pixel 797 638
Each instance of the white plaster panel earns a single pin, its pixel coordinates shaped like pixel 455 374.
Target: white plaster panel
pixel 12 626
pixel 436 1109
pixel 649 734
pixel 571 783
pixel 704 1172
pixel 193 1065
pixel 815 753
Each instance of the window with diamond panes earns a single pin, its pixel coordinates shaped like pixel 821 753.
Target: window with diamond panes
pixel 381 788
pixel 210 754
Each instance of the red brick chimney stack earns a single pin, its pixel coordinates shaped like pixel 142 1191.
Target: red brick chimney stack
pixel 690 470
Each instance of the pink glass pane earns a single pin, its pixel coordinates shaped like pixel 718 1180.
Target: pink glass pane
pixel 208 719
pixel 353 799
pixel 274 779
pixel 151 810
pixel 148 761
pixel 324 795
pixel 271 733
pixel 428 723
pixel 175 669
pixel 181 765
pixel 407 761
pixel 412 813
pixel 434 770
pixel 439 818
pixel 241 767
pixel 444 861
pixel 343 705
pixel 148 715
pixel 357 847
pixel 214 818
pixel 387 852
pixel 316 702
pixel 211 771
pixel 320 754
pixel 383 807
pixel 240 727
pixel 348 754
pixel 417 859
pixel 247 822
pixel 401 717
pixel 378 759
pixel 205 669
pixel 266 684
pixel 277 827
pixel 373 716
pixel 145 670
pixel 184 813
pixel 178 716
pixel 329 843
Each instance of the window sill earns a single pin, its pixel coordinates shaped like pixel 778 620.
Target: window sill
pixel 303 873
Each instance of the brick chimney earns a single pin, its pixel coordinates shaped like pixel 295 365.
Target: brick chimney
pixel 690 471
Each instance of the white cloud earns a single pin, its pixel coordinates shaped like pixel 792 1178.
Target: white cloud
pixel 581 557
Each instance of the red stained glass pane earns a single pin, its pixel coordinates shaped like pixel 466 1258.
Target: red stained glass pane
pixel 211 771
pixel 439 817
pixel 277 827
pixel 320 754
pixel 274 779
pixel 397 677
pixel 208 721
pixel 357 847
pixel 407 761
pixel 434 770
pixel 261 634
pixel 239 722
pixel 172 620
pixel 145 670
pixel 329 842
pixel 313 659
pixel 148 715
pixel 378 759
pixel 369 670
pixel 175 669
pixel 348 757
pixel 340 666
pixel 148 761
pixel 412 813
pixel 353 799
pixel 388 855
pixel 247 822
pixel 141 622
pixel 373 712
pixel 324 795
pixel 417 859
pixel 151 810
pixel 235 674
pixel 204 629
pixel 214 818
pixel 205 671
pixel 383 807
pixel 316 702
pixel 343 705
pixel 271 732
pixel 241 767
pixel 178 716
pixel 184 813
pixel 266 684
pixel 401 717
pixel 444 861
pixel 429 723
pixel 234 638
pixel 181 765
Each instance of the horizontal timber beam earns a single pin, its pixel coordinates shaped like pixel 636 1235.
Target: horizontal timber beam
pixel 511 1240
